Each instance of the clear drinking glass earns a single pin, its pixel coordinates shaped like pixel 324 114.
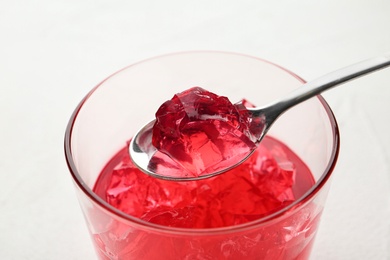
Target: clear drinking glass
pixel 115 109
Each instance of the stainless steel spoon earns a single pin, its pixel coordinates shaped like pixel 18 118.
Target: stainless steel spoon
pixel 141 149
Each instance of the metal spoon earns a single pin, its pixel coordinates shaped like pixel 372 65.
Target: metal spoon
pixel 141 149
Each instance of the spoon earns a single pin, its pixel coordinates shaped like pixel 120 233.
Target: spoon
pixel 141 149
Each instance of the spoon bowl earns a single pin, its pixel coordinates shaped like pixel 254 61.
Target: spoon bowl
pixel 141 149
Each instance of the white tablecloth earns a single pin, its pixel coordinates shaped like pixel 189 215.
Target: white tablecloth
pixel 53 52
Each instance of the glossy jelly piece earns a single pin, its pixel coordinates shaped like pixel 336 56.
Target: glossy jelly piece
pixel 198 132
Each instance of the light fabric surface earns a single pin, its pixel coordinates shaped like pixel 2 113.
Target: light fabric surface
pixel 53 52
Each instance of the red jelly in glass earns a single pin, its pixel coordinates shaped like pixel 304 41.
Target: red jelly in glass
pixel 198 132
pixel 272 178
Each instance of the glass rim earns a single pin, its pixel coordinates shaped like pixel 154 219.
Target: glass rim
pixel 200 231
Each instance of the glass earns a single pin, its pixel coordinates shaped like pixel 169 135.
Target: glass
pixel 115 109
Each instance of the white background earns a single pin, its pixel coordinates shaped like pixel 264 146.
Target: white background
pixel 53 52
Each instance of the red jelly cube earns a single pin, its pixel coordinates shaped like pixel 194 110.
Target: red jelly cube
pixel 201 131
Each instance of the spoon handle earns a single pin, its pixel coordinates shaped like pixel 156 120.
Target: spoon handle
pixel 326 82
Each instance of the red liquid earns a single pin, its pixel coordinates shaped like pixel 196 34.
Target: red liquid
pixel 268 181
pixel 272 179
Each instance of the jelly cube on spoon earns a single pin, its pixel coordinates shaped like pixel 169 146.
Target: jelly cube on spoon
pixel 201 132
